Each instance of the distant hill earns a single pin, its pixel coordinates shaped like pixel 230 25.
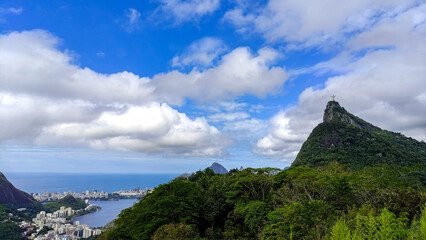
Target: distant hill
pixel 349 140
pixel 11 195
pixel 67 201
pixel 217 168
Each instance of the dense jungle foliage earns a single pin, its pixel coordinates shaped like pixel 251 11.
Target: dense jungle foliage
pixel 10 231
pixel 328 202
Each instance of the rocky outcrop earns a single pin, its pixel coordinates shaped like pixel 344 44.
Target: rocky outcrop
pixel 11 195
pixel 334 111
pixel 217 168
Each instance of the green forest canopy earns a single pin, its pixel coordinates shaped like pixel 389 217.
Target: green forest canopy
pixel 297 203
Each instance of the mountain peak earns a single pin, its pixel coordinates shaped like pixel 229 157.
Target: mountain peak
pixel 217 168
pixel 347 139
pixel 333 111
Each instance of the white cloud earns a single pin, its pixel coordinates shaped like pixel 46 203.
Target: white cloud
pixel 219 117
pixel 46 93
pixel 11 10
pixel 385 87
pixel 133 15
pixel 200 53
pixel 100 54
pixel 246 129
pixel 312 22
pixel 232 106
pixel 183 11
pixel 31 64
pixel 287 132
pixel 22 116
pixel 154 128
pixel 239 72
pixel 43 94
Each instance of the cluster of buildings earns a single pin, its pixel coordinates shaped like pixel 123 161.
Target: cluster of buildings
pixel 47 196
pixel 61 228
pixel 132 193
pixel 56 223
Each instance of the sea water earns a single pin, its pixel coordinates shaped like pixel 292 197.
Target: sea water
pixel 79 182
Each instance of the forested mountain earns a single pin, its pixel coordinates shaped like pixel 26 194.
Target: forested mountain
pixel 349 140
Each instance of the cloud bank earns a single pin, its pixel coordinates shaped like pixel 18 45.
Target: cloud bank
pixel 48 100
pixel 313 23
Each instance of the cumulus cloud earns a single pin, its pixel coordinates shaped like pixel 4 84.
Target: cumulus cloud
pixel 312 22
pixel 287 132
pixel 200 53
pixel 385 86
pixel 239 72
pixel 183 11
pixel 154 128
pixel 30 63
pixel 22 116
pixel 44 93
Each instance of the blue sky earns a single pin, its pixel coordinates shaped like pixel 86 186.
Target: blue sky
pixel 173 86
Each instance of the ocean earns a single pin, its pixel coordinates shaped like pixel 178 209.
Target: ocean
pixel 79 182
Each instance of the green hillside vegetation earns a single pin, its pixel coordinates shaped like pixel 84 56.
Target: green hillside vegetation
pixel 10 231
pixel 349 140
pixel 68 201
pixel 297 203
pixel 30 212
pixel 33 210
pixel 358 148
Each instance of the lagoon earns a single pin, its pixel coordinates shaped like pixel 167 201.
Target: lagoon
pixel 109 212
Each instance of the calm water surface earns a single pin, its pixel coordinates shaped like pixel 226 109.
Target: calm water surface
pixel 79 182
pixel 109 212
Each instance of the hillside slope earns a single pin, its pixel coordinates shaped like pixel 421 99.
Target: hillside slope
pixel 11 195
pixel 349 140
